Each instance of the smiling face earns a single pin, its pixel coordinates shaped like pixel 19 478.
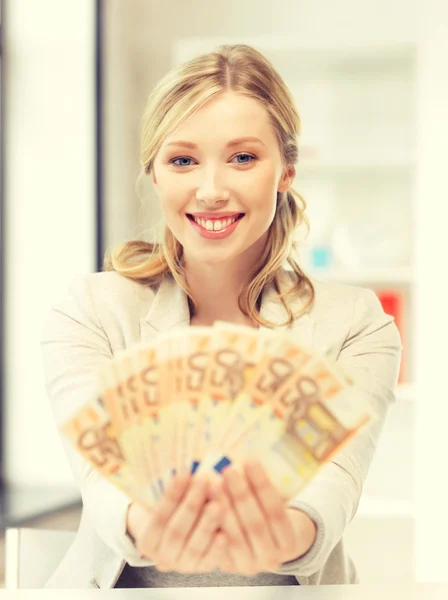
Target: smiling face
pixel 218 175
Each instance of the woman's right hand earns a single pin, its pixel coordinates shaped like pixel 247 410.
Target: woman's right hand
pixel 178 532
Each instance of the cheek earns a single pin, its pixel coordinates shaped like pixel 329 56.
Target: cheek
pixel 265 183
pixel 171 194
pixel 264 197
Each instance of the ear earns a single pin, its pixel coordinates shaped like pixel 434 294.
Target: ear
pixel 154 181
pixel 287 178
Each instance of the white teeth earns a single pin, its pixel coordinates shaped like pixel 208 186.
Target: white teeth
pixel 217 225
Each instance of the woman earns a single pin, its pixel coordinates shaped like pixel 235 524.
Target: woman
pixel 219 141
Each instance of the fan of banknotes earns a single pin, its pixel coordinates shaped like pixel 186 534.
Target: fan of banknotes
pixel 201 398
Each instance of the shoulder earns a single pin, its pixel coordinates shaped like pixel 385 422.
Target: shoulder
pixel 341 313
pixel 107 289
pixel 328 293
pixel 118 288
pixel 338 300
pixel 106 302
pixel 354 315
pixel 342 299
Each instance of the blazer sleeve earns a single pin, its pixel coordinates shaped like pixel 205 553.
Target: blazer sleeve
pixel 372 352
pixel 74 346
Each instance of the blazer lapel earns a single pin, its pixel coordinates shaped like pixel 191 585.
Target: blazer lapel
pixel 170 310
pixel 272 309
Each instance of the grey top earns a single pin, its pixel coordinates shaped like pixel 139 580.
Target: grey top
pixel 150 577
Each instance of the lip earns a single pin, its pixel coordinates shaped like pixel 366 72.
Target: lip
pixel 215 215
pixel 218 235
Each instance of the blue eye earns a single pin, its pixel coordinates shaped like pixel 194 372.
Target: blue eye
pixel 173 161
pixel 251 156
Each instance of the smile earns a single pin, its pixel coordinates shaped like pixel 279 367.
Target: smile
pixel 215 228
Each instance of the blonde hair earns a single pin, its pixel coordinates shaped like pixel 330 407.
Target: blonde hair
pixel 242 69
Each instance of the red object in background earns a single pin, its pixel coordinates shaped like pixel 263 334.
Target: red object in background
pixel 393 304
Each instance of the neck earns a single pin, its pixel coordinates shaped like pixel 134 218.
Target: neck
pixel 216 291
pixel 216 287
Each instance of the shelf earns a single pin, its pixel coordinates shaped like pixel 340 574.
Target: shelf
pixel 366 275
pixel 371 506
pixel 308 53
pixel 310 166
pixel 19 504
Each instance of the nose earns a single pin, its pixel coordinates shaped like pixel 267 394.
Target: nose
pixel 210 191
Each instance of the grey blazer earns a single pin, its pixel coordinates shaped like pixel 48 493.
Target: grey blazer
pixel 102 313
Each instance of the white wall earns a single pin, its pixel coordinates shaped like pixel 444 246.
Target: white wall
pixel 431 486
pixel 50 209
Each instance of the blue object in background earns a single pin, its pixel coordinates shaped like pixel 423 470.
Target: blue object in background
pixel 321 257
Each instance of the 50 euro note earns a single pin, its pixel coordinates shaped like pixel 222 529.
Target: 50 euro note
pixel 143 386
pixel 194 394
pixel 201 371
pixel 267 364
pixel 321 412
pixel 91 433
pixel 136 372
pixel 131 394
pixel 178 363
pixel 309 418
pixel 235 352
pixel 296 412
pixel 121 416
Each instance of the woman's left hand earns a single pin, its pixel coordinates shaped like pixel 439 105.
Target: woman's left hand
pixel 260 531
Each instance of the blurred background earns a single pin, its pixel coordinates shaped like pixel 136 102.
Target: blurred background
pixel 370 82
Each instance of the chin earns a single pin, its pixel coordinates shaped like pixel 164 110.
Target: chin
pixel 212 261
pixel 215 258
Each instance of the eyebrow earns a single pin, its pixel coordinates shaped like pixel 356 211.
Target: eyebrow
pixel 230 144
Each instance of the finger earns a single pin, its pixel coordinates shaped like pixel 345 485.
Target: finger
pixel 216 556
pixel 273 507
pixel 162 512
pixel 226 563
pixel 238 548
pixel 200 538
pixel 251 519
pixel 181 523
